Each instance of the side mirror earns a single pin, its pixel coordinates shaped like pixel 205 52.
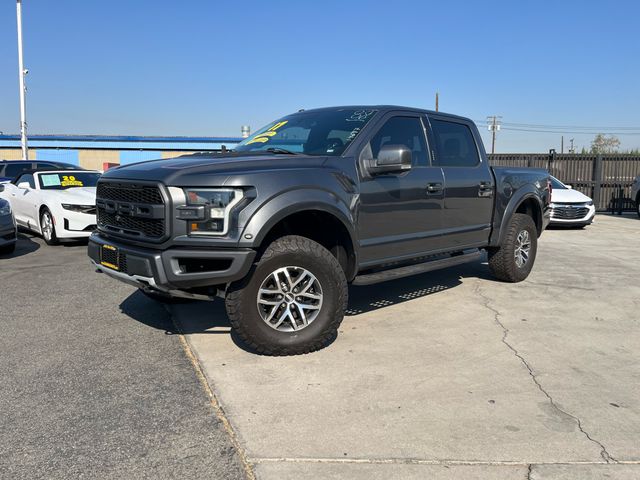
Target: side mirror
pixel 1 188
pixel 392 158
pixel 24 185
pixel 569 187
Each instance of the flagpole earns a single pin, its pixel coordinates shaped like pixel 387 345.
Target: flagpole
pixel 23 90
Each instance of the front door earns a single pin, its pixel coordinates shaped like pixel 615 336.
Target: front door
pixel 400 213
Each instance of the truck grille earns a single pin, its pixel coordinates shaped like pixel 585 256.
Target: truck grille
pixel 131 210
pixel 569 212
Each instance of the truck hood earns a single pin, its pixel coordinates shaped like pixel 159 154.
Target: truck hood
pixel 175 171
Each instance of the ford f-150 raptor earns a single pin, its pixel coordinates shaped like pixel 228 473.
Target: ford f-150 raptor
pixel 281 224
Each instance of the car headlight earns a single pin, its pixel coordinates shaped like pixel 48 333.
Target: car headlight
pixel 208 209
pixel 5 210
pixel 589 204
pixel 79 208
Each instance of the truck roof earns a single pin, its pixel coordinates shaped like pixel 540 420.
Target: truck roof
pixel 389 108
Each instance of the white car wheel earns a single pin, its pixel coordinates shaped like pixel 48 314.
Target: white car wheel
pixel 48 228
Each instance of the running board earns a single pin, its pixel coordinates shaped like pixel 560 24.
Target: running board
pixel 407 271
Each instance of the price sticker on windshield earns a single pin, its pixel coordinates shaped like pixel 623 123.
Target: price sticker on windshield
pixel 70 181
pixel 265 136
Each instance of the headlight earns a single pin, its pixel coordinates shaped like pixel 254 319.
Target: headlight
pixel 208 209
pixel 589 204
pixel 79 208
pixel 6 209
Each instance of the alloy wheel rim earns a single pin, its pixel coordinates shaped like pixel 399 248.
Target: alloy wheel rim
pixel 289 299
pixel 46 226
pixel 523 248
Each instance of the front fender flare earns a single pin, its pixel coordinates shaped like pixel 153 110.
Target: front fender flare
pixel 520 196
pixel 293 201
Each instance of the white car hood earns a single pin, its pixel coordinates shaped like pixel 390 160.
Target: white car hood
pixel 568 196
pixel 74 195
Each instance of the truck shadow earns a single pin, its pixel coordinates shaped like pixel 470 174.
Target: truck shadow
pixel 363 299
pixel 210 318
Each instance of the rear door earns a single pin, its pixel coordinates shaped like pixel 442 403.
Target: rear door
pixel 468 182
pixel 400 213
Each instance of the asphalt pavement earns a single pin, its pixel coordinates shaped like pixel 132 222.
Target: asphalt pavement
pixel 453 375
pixel 91 383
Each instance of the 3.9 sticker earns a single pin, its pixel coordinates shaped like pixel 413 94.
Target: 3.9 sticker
pixel 70 181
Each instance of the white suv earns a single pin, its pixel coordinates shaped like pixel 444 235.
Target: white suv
pixel 570 207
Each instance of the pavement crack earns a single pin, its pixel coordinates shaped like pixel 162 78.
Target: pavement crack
pixel 529 470
pixel 486 302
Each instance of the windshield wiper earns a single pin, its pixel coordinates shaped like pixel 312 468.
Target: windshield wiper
pixel 281 150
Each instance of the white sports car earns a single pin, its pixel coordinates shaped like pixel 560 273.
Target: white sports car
pixel 58 204
pixel 570 207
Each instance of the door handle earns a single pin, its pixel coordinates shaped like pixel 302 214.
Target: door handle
pixel 485 189
pixel 433 188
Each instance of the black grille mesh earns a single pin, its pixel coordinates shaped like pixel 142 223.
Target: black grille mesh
pixel 123 223
pixel 129 193
pixel 149 227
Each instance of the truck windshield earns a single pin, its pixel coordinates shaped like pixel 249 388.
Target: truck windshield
pixel 322 132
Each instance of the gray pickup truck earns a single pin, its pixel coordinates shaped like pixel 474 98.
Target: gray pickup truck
pixel 310 203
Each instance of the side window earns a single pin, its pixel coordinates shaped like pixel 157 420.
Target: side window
pixel 13 170
pixel 406 131
pixel 27 177
pixel 41 166
pixel 455 144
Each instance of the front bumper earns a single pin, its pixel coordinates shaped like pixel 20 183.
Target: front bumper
pixel 561 214
pixel 178 272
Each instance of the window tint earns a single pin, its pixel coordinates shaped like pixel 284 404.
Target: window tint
pixel 13 170
pixel 407 131
pixel 455 144
pixel 27 177
pixel 41 165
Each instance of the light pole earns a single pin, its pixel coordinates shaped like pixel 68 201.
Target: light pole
pixel 23 89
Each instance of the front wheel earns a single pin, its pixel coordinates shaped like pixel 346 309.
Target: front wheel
pixel 638 205
pixel 513 260
pixel 293 300
pixel 48 228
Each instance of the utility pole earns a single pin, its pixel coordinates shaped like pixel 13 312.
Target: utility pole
pixel 494 126
pixel 562 144
pixel 437 98
pixel 23 89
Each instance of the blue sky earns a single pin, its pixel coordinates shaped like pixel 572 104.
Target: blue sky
pixel 206 68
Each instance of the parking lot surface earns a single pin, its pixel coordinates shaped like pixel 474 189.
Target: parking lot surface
pixel 452 374
pixel 90 384
pixel 447 375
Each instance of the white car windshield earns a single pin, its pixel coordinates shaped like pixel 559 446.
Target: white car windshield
pixel 63 181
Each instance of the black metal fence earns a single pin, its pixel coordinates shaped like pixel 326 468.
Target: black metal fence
pixel 605 178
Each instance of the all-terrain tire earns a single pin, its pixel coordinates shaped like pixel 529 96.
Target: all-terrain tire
pixel 502 260
pixel 289 252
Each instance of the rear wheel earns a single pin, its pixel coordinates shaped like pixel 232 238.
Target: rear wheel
pixel 292 302
pixel 48 228
pixel 638 205
pixel 514 259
